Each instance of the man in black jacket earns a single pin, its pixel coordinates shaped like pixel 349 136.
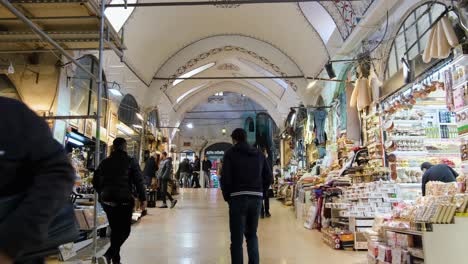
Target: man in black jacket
pixel 196 173
pixel 206 168
pixel 164 176
pixel 34 164
pixel 184 172
pixel 151 167
pixel 114 181
pixel 245 175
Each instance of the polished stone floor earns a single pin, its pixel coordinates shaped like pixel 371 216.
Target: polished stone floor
pixel 196 231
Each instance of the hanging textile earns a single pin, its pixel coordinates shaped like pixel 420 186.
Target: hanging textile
pixel 441 40
pixel 361 96
pixel 319 121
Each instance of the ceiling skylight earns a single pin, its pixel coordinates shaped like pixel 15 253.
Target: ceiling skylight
pixel 193 72
pixel 118 15
pixel 265 72
pixel 194 89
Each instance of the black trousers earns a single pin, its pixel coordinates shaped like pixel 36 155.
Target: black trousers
pixel 266 203
pixel 196 180
pixel 120 221
pixel 164 192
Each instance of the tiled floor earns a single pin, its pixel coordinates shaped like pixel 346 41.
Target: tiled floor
pixel 196 231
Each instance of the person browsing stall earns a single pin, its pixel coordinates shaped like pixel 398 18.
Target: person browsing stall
pixel 439 172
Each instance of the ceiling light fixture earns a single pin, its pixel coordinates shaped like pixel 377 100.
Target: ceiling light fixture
pixel 115 89
pixel 137 126
pixel 11 69
pixel 223 131
pixel 75 142
pixel 190 125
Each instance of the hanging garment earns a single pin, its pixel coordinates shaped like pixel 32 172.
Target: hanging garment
pixel 353 129
pixel 319 121
pixel 375 84
pixel 361 96
pixel 441 39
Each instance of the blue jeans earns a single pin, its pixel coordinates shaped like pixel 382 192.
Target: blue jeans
pixel 244 212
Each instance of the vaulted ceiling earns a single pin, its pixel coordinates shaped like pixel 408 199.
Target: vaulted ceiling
pixel 281 39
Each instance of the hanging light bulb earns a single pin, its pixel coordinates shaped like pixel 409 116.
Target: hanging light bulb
pixel 11 69
pixel 223 131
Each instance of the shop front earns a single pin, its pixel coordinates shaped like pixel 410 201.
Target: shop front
pixel 215 154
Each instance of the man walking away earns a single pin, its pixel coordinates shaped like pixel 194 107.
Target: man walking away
pixel 245 175
pixel 266 196
pixel 114 181
pixel 151 167
pixel 164 176
pixel 196 173
pixel 206 166
pixel 32 165
pixel 184 173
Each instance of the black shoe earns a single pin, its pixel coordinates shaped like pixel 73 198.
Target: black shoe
pixel 173 203
pixel 262 215
pixel 144 212
pixel 268 214
pixel 163 206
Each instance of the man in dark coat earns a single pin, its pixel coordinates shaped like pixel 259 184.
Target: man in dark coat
pixel 151 167
pixel 439 172
pixel 206 168
pixel 34 164
pixel 245 175
pixel 164 176
pixel 114 181
pixel 184 172
pixel 196 173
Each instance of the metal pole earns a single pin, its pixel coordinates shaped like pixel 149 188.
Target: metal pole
pixel 98 121
pixel 43 35
pixel 216 3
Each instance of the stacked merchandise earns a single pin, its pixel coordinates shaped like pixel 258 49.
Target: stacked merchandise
pixel 424 232
pixel 373 142
pixel 420 124
pixel 345 147
pixel 85 217
pixel 338 239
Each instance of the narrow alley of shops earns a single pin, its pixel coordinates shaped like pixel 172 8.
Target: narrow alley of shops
pixel 163 131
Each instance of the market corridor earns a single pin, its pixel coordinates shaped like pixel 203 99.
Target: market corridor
pixel 196 231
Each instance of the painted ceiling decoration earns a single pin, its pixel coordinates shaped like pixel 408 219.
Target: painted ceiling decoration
pixel 230 4
pixel 191 63
pixel 228 67
pixel 347 14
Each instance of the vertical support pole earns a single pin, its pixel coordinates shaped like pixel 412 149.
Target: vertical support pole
pixel 143 136
pixel 98 120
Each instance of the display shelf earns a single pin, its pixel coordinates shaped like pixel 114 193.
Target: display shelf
pixel 408 121
pixel 409 153
pixel 409 185
pixel 448 124
pixel 406 137
pixel 403 231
